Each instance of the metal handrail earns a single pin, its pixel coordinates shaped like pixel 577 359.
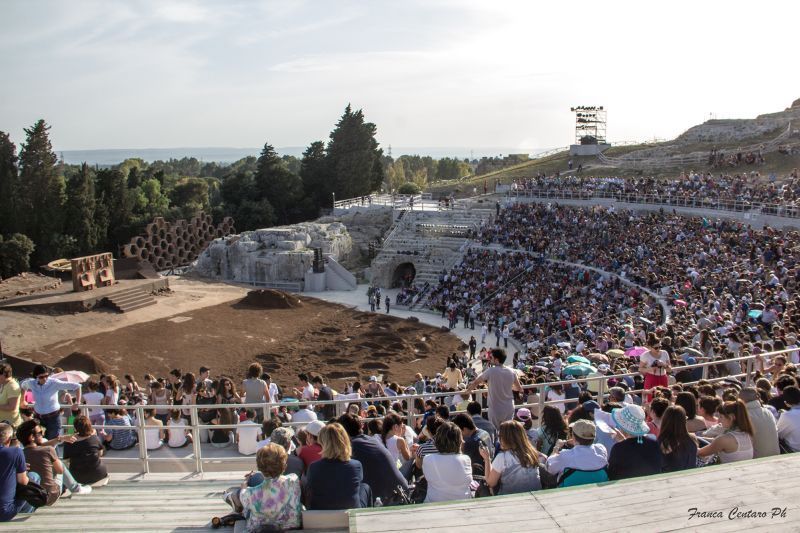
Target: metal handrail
pixel 195 426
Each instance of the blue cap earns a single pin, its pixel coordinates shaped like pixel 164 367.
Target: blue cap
pixel 590 405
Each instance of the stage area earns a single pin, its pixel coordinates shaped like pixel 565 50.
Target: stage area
pixel 336 341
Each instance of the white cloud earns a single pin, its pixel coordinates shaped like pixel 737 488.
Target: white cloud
pixel 181 11
pixel 436 73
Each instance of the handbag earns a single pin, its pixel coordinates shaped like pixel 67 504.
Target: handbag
pixel 33 493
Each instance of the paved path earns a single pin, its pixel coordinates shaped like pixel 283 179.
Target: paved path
pixel 358 299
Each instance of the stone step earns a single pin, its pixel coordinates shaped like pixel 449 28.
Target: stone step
pixel 130 300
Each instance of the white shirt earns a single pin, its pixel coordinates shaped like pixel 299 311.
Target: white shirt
pixel 273 393
pixel 177 433
pixel 308 392
pixel 789 428
pixel 551 396
pixel 391 445
pixel 304 416
pixel 648 358
pixel 94 398
pixel 593 457
pixel 448 475
pixel 152 437
pixel 247 432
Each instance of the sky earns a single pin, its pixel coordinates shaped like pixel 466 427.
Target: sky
pixel 428 73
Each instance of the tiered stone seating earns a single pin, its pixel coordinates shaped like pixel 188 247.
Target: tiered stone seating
pixel 437 237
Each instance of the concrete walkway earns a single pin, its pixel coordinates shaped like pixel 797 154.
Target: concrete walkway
pixel 358 299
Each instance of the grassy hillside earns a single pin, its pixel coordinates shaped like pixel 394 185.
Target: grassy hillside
pixel 776 163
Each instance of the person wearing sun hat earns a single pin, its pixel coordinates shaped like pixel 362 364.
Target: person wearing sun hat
pixel 633 455
pixel 580 452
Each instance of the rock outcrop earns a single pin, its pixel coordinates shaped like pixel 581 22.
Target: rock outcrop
pixel 280 254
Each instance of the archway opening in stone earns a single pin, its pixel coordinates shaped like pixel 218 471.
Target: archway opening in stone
pixel 404 275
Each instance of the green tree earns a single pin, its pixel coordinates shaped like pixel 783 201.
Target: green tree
pixel 354 158
pixel 155 203
pixel 275 183
pixel 316 177
pixel 15 253
pixel 41 192
pixel 101 222
pixel 79 210
pixel 395 175
pixel 191 194
pixel 408 187
pixel 9 185
pixel 112 188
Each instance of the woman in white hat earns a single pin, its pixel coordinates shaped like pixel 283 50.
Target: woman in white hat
pixel 633 455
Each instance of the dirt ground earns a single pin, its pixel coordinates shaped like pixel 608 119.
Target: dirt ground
pixel 318 336
pixel 27 283
pixel 29 331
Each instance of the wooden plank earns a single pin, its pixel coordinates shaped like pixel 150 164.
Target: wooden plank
pixel 677 494
pixel 490 512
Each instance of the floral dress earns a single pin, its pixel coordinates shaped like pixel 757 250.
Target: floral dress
pixel 276 502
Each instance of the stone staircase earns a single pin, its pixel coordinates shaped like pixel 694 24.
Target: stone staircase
pixel 128 300
pixel 431 240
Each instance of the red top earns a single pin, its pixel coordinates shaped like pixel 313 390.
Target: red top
pixel 309 454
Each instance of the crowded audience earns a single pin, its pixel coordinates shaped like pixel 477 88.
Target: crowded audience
pixel 633 300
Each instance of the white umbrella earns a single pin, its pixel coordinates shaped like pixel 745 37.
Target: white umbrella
pixel 71 376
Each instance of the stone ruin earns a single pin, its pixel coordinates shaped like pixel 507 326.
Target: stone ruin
pixel 273 255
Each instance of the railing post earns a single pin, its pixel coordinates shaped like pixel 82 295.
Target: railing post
pixel 410 422
pixel 601 391
pixel 198 460
pixel 142 440
pixel 749 377
pixel 540 391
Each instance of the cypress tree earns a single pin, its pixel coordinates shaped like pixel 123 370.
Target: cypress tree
pixel 41 192
pixel 276 184
pixel 314 172
pixel 9 184
pixel 80 210
pixel 354 158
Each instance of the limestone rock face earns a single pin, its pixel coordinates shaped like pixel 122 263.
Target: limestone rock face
pixel 273 254
pixel 366 225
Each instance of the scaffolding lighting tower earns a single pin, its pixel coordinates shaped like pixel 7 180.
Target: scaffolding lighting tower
pixel 590 124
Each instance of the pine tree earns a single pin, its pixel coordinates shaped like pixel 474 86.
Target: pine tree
pixel 316 177
pixel 80 210
pixel 354 158
pixel 41 192
pixel 276 184
pixel 112 187
pixel 15 252
pixel 9 184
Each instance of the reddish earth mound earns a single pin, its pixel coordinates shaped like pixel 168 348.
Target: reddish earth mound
pixel 84 362
pixel 271 299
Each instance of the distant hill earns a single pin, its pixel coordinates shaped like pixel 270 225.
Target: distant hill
pixel 108 157
pixel 776 134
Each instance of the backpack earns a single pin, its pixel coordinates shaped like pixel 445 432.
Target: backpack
pixel 33 493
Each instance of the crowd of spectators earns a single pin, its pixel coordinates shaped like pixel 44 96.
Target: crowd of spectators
pixel 743 190
pixel 730 291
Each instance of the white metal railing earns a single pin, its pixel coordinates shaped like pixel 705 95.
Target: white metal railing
pixel 666 200
pixel 594 383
